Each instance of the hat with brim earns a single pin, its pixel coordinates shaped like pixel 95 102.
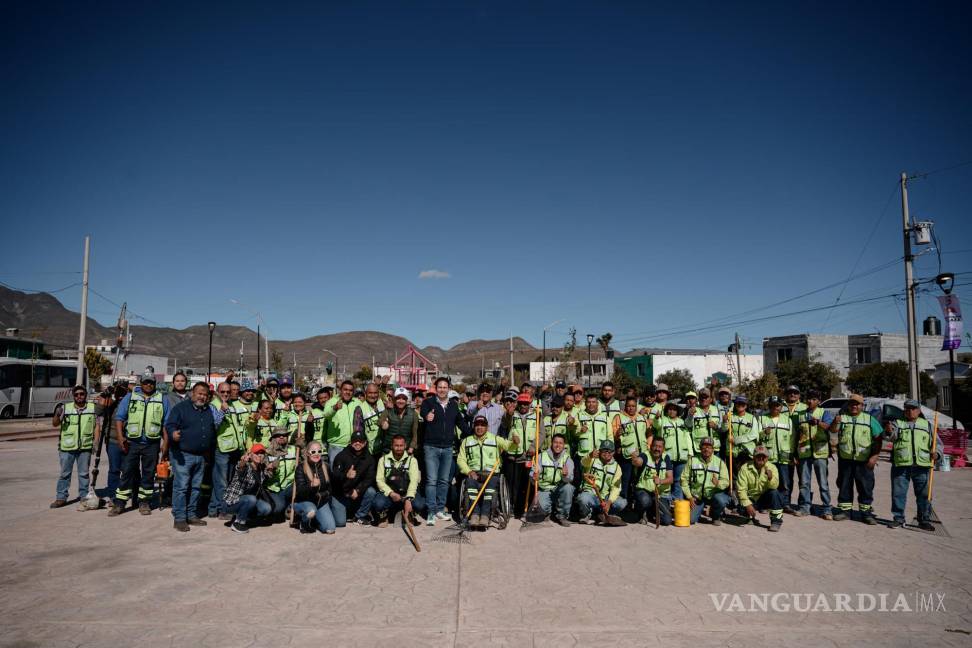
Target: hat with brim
pixel 606 446
pixel 856 398
pixel 742 400
pixel 480 420
pixel 912 404
pixel 662 387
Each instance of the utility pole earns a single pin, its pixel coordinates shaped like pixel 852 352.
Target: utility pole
pixel 258 356
pixel 84 313
pixel 511 360
pixel 909 294
pixel 738 359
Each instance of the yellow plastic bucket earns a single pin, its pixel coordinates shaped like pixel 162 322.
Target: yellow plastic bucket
pixel 683 512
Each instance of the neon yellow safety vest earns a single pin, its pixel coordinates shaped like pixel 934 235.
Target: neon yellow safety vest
pixel 551 470
pixel 480 456
pixel 912 447
pixel 700 476
pixel 259 432
pixel 145 414
pixel 372 430
pixel 778 436
pixel 524 426
pixel 283 476
pixel 231 434
pixel 558 426
pixel 634 433
pixel 646 481
pixel 678 441
pixel 855 437
pixel 814 440
pixel 77 427
pixel 745 431
pixel 598 429
pixel 699 429
pixel 603 477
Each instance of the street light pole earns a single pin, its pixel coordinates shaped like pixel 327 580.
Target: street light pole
pixel 209 367
pixel 945 281
pixel 909 294
pixel 590 365
pixel 335 363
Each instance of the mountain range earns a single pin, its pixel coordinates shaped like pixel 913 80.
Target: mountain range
pixel 41 316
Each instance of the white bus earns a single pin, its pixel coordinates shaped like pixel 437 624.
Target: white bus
pixel 35 387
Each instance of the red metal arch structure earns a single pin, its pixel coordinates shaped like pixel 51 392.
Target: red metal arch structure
pixel 412 370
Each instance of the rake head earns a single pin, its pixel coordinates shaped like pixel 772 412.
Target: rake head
pixel 455 534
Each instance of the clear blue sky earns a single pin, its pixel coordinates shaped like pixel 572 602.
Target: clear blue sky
pixel 624 166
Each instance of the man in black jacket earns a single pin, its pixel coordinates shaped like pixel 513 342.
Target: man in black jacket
pixel 442 418
pixel 190 431
pixel 353 479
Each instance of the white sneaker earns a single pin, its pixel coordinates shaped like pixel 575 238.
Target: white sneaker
pixel 430 521
pixel 442 515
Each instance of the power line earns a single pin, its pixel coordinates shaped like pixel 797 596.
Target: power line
pixel 132 313
pixel 33 290
pixel 860 255
pixel 942 170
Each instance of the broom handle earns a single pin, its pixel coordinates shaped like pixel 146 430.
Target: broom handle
pixel 482 488
pixel 931 477
pixel 293 488
pixel 536 453
pixel 732 482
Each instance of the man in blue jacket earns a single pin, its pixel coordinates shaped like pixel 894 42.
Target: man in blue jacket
pixel 442 418
pixel 191 433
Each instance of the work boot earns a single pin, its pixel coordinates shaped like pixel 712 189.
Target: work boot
pixel 58 503
pixel 306 526
pixel 840 516
pixel 144 508
pixel 116 509
pixel 775 524
pixel 896 524
pixel 414 519
pixel 800 513
pixel 586 520
pixel 869 519
pixel 383 521
pixel 716 521
pixel 214 515
pixel 196 522
pixel 925 525
pixel 828 516
pixel 562 521
pixel 181 525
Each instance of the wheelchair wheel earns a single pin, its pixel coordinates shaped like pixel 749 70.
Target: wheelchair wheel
pixel 503 510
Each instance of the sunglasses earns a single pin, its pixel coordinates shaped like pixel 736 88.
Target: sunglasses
pixel 314 453
pixel 223 392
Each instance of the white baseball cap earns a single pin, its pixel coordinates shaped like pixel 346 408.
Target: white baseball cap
pixel 401 391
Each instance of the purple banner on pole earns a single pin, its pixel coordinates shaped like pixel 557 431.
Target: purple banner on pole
pixel 953 321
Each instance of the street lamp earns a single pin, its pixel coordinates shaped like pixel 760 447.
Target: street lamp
pixel 946 281
pixel 209 368
pixel 543 380
pixel 590 367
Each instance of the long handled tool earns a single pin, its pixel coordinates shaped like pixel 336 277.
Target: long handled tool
pixel 410 532
pixel 931 472
pixel 293 487
pixel 657 508
pixel 733 501
pixel 92 501
pixel 457 533
pixel 535 517
pixel 606 518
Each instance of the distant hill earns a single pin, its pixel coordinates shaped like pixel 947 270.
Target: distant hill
pixel 43 317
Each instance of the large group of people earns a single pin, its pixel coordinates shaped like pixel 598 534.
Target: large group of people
pixel 253 455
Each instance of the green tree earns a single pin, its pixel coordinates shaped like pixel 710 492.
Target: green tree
pixel 758 390
pixel 605 342
pixel 886 379
pixel 679 381
pixel 97 365
pixel 808 374
pixel 363 374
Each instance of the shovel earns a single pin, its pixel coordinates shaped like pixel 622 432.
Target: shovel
pixel 606 519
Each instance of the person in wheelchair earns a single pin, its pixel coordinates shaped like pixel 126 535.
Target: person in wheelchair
pixel 398 478
pixel 478 455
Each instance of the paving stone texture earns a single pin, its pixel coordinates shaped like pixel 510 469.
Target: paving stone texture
pixel 70 578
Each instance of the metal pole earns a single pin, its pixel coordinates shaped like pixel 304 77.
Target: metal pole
pixel 590 364
pixel 258 355
pixel 84 313
pixel 511 360
pixel 738 360
pixel 951 385
pixel 543 379
pixel 913 391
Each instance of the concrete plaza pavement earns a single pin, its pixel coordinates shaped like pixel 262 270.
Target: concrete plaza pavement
pixel 71 578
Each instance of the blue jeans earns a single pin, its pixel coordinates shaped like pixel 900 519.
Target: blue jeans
pixel 438 468
pixel 333 451
pixel 808 468
pixel 646 503
pixel 384 504
pixel 487 500
pixel 187 474
pixel 223 462
pixel 340 505
pixel 717 504
pixel 323 517
pixel 786 482
pixel 626 469
pixel 115 458
pixel 248 504
pixel 68 458
pixel 678 467
pixel 563 495
pixel 918 476
pixel 587 502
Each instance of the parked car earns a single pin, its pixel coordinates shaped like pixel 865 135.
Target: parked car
pixel 890 408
